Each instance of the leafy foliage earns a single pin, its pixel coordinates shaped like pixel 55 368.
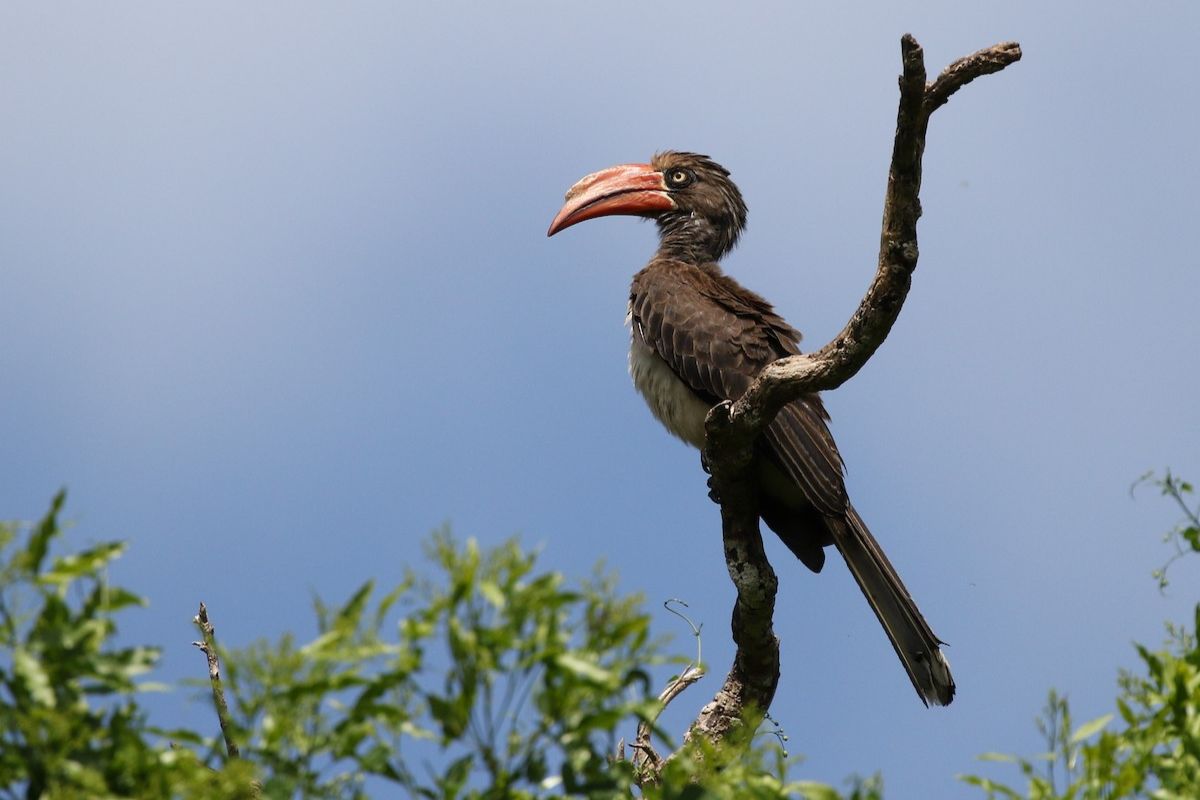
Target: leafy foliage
pixel 481 678
pixel 70 724
pixel 514 680
pixel 486 678
pixel 1156 754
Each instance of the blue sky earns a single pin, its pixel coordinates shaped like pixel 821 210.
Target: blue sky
pixel 278 301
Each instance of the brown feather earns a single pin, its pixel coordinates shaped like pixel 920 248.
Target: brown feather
pixel 717 336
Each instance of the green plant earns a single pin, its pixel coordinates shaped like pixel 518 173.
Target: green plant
pixel 482 677
pixel 1156 751
pixel 70 722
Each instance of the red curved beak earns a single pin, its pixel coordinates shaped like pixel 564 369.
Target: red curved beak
pixel 637 189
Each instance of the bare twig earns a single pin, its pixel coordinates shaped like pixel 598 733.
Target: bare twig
pixel 732 429
pixel 699 662
pixel 644 755
pixel 209 647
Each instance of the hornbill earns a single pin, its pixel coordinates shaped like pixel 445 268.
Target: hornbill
pixel 699 337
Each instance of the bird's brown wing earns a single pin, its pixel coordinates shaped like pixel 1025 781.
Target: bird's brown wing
pixel 717 336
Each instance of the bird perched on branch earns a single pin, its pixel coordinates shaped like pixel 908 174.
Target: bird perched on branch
pixel 700 338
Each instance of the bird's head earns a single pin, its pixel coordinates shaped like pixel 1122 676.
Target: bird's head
pixel 699 211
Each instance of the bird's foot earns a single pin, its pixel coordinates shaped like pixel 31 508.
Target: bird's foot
pixel 713 494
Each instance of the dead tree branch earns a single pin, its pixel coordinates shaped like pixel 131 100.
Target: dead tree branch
pixel 645 759
pixel 732 429
pixel 209 647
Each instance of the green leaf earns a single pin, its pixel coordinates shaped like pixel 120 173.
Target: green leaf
pixel 1126 712
pixel 585 669
pixel 414 629
pixel 812 790
pixel 378 761
pixel 32 677
pixel 1191 535
pixel 114 598
pixel 491 592
pixel 991 786
pixel 350 614
pixel 388 600
pixel 451 714
pixel 154 686
pixel 45 530
pixel 456 776
pixel 67 568
pixel 1089 729
pixel 325 641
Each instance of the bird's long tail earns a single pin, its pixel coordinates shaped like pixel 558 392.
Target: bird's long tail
pixel 908 631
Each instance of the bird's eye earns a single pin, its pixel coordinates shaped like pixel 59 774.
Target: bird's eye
pixel 679 177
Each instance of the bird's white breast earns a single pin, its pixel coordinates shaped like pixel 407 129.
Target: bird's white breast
pixel 674 403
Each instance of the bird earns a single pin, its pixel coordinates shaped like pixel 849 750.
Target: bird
pixel 699 338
